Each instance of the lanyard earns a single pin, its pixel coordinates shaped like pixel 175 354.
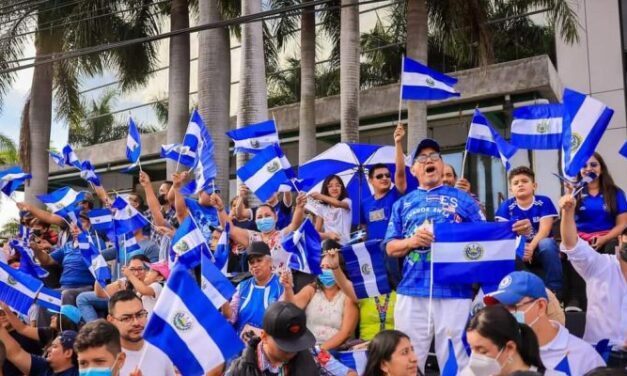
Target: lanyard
pixel 382 309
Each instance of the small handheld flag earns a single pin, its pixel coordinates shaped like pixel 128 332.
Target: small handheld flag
pixel 57 158
pixel 450 367
pixel 94 260
pixel 205 169
pixel 221 254
pixel 366 269
pixel 188 243
pixel 133 143
pixel 126 218
pixel 356 359
pixel 12 178
pixel 88 173
pixel 17 289
pixel 179 153
pixel 484 139
pixel 70 158
pixel 62 200
pixel 253 138
pixel 538 126
pixel 419 82
pixel 305 246
pixel 264 174
pixel 214 284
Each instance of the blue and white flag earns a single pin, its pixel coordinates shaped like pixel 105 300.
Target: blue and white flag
pixel 366 269
pixel 133 144
pixel 306 249
pixel 126 218
pixel 223 249
pixel 253 138
pixel 188 243
pixel 563 366
pixel 356 359
pixel 473 252
pixel 186 153
pixel 450 367
pixel 294 183
pixel 18 290
pixel 93 259
pixel 62 200
pixel 88 173
pixel 49 299
pixel 214 284
pixel 59 159
pixel 12 178
pixel 419 82
pixel 28 264
pixel 264 174
pixel 101 219
pixel 484 139
pixel 70 158
pixel 180 153
pixel 623 150
pixel 129 248
pixel 189 329
pixel 538 126
pixel 585 121
pixel 205 169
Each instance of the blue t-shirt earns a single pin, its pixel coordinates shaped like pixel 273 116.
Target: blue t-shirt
pixel 75 271
pixel 150 249
pixel 442 204
pixel 593 215
pixel 375 213
pixel 205 217
pixel 254 300
pixel 40 367
pixel 541 207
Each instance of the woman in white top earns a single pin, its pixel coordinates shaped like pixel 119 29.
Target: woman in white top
pixel 335 216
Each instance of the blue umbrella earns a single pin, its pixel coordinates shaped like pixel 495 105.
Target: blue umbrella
pixel 351 163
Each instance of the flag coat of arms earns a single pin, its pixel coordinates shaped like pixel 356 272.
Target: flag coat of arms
pixel 264 174
pixel 18 290
pixel 538 126
pixel 366 269
pixel 419 82
pixel 254 138
pixel 62 200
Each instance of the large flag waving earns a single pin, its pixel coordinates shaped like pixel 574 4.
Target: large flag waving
pixel 304 244
pixel 12 178
pixel 264 174
pixel 254 138
pixel 463 252
pixel 484 139
pixel 49 299
pixel 126 218
pixel 18 290
pixel 187 327
pixel 538 126
pixel 419 82
pixel 366 269
pixel 585 121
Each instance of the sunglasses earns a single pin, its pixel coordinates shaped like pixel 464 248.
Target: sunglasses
pixel 381 176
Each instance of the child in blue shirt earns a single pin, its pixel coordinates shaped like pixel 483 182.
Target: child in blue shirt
pixel 537 213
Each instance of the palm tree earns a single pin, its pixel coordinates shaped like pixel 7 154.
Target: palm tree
pixel 8 151
pixel 64 25
pixel 349 71
pixel 10 229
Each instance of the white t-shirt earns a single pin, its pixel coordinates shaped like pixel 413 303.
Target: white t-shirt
pixel 337 220
pixel 155 362
pixel 149 301
pixel 582 357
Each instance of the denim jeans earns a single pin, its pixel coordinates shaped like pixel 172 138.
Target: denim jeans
pixel 548 254
pixel 89 305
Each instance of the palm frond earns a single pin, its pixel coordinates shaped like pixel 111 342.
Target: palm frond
pixel 66 86
pixel 11 48
pixel 285 26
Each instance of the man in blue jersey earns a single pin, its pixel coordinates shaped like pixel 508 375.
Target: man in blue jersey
pixel 410 234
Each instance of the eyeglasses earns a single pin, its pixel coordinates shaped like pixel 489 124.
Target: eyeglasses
pixel 137 269
pixel 127 319
pixel 591 165
pixel 381 176
pixel 423 158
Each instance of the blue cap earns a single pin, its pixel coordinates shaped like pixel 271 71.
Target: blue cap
pixel 426 143
pixel 514 287
pixel 71 313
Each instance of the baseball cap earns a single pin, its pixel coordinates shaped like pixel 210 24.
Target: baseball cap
pixel 514 287
pixel 287 325
pixel 426 143
pixel 71 313
pixel 161 268
pixel 67 339
pixel 256 249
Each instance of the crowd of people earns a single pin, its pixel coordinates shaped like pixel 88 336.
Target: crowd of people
pixel 573 265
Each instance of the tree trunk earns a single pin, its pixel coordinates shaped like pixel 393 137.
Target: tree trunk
pixel 417 49
pixel 349 71
pixel 307 120
pixel 40 117
pixel 214 87
pixel 178 78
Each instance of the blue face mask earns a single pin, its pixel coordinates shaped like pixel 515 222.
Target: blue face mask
pixel 265 224
pixel 327 278
pixel 96 371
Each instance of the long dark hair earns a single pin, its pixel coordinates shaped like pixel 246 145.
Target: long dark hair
pixel 325 188
pixel 606 187
pixel 499 326
pixel 381 349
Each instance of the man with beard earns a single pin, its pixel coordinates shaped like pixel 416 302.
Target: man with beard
pixel 127 313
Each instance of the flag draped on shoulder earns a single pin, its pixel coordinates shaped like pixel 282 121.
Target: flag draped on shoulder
pixel 18 290
pixel 473 252
pixel 305 246
pixel 62 201
pixel 585 121
pixel 70 158
pixel 484 139
pixel 12 178
pixel 93 259
pixel 49 299
pixel 253 138
pixel 366 269
pixel 133 144
pixel 28 264
pixel 188 243
pixel 264 174
pixel 187 327
pixel 126 218
pixel 419 82
pixel 214 284
pixel 538 126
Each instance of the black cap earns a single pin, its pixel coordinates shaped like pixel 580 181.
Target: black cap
pixel 426 143
pixel 256 249
pixel 67 339
pixel 287 325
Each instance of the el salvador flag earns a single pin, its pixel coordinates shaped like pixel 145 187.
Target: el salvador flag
pixel 93 259
pixel 187 152
pixel 623 150
pixel 133 143
pixel 305 246
pixel 12 178
pixel 101 219
pixel 70 158
pixel 484 139
pixel 538 126
pixel 450 367
pixel 289 172
pixel 178 152
pixel 205 169
pixel 473 252
pixel 126 218
pixel 49 299
pixel 131 247
pixel 419 82
pixel 585 121
pixel 88 173
pixel 187 327
pixel 18 290
pixel 264 174
pixel 366 269
pixel 214 284
pixel 356 359
pixel 62 200
pixel 188 243
pixel 253 138
pixel 221 254
pixel 57 158
pixel 27 260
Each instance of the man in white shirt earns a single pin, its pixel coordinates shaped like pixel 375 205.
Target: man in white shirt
pixel 524 295
pixel 127 313
pixel 605 276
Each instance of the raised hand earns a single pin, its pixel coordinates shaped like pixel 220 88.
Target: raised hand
pixel 144 179
pixel 399 133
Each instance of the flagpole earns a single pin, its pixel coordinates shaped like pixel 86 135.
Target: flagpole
pixel 139 163
pixel 141 358
pixel 464 163
pixel 400 90
pixel 178 160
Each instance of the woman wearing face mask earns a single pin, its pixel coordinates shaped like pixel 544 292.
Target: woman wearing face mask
pixel 335 219
pixel 501 345
pixel 391 354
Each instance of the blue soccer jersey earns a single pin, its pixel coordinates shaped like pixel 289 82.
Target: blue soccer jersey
pixel 592 215
pixel 420 208
pixel 375 213
pixel 541 207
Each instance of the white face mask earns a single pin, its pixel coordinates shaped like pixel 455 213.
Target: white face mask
pixel 483 365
